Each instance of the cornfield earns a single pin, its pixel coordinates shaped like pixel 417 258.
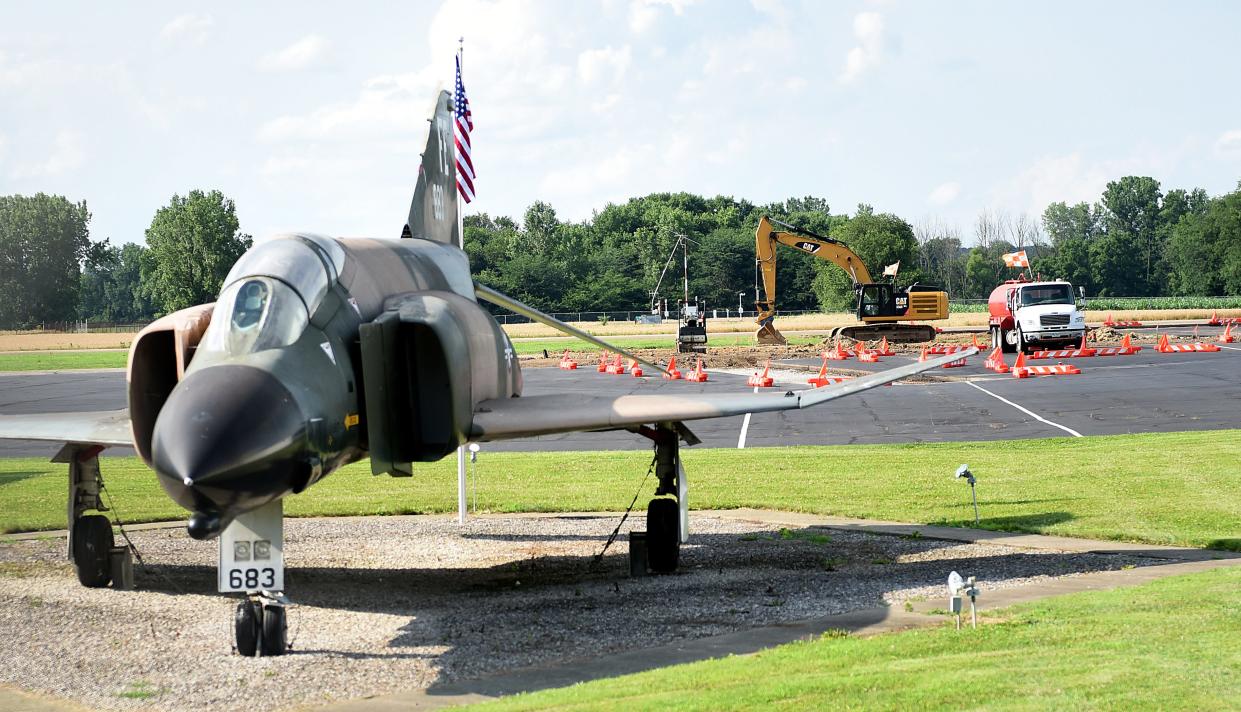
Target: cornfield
pixel 974 306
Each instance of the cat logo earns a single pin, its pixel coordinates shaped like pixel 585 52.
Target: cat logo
pixel 811 247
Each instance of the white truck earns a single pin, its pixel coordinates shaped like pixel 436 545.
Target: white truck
pixel 1035 315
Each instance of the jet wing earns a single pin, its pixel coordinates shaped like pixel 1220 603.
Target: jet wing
pixel 109 427
pixel 505 418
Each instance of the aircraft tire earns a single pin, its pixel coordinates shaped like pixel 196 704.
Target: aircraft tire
pixel 663 541
pixel 246 627
pixel 92 546
pixel 274 631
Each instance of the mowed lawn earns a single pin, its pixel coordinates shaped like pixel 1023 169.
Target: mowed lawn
pixel 1170 644
pixel 1168 488
pixel 62 360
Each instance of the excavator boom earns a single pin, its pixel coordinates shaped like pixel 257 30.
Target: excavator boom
pixel 881 305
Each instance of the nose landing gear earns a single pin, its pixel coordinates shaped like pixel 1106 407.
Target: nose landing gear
pixel 260 625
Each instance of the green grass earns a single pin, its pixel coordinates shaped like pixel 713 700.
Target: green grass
pixel 62 360
pixel 1170 644
pixel 555 347
pixel 1164 488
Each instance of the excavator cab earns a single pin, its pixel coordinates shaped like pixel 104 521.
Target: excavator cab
pixel 875 300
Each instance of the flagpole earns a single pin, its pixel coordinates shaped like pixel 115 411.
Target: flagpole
pixel 461 501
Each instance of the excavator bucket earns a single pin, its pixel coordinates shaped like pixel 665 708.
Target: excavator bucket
pixel 768 334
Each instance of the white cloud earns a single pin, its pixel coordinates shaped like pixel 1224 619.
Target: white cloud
pixel 305 53
pixel 868 30
pixel 1075 178
pixel 392 105
pixel 644 13
pixel 1229 143
pixel 944 193
pixel 190 28
pixel 67 153
pixel 594 64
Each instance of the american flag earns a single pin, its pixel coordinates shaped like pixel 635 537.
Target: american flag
pixel 461 135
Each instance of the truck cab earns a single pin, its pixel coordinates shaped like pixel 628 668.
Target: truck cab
pixel 1032 315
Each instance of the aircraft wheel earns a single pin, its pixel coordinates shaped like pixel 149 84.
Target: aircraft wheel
pixel 663 540
pixel 246 627
pixel 92 545
pixel 275 631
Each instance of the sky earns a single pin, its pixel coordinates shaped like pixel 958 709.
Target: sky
pixel 311 115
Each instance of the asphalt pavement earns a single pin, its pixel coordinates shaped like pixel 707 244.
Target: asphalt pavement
pixel 1147 392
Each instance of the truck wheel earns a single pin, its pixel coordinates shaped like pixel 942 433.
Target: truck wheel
pixel 1005 346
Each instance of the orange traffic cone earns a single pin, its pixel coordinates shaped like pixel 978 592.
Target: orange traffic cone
pixel 699 375
pixel 922 357
pixel 1085 350
pixel 1020 370
pixel 1214 319
pixel 974 342
pixel 884 349
pixel 673 374
pixel 603 363
pixel 995 362
pixel 1163 346
pixel 616 368
pixel 634 369
pixel 762 380
pixel 1227 337
pixel 820 379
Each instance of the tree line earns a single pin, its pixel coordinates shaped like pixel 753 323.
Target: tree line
pixel 1136 240
pixel 51 271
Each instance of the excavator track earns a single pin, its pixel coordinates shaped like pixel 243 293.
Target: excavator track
pixel 896 333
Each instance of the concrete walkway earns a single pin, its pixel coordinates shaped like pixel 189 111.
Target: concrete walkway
pixel 869 621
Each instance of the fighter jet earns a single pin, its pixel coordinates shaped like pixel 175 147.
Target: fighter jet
pixel 322 351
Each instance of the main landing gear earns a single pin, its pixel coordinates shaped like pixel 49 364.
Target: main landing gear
pixel 667 516
pixel 92 549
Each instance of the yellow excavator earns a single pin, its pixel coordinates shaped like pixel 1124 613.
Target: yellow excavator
pixel 881 306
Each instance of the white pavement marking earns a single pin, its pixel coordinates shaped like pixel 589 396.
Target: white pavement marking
pixel 745 427
pixel 1027 411
pixel 1230 348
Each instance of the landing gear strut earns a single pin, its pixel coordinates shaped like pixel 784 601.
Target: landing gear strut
pixel 90 535
pixel 666 518
pixel 251 562
pixel 260 625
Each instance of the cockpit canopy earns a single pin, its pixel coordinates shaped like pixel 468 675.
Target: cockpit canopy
pixel 270 293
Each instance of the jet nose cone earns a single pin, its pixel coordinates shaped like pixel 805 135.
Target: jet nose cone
pixel 227 434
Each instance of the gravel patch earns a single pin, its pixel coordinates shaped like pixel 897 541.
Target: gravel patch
pixel 395 603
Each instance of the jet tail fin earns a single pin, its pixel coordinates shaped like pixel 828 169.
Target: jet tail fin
pixel 433 210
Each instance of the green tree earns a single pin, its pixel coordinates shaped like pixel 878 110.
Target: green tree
pixel 1132 208
pixel 1204 250
pixel 879 240
pixel 43 242
pixel 192 243
pixel 112 286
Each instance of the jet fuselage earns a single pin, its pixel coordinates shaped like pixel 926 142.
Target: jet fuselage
pixel 272 399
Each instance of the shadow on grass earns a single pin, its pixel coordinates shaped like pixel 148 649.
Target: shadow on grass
pixel 1026 523
pixel 12 478
pixel 1233 544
